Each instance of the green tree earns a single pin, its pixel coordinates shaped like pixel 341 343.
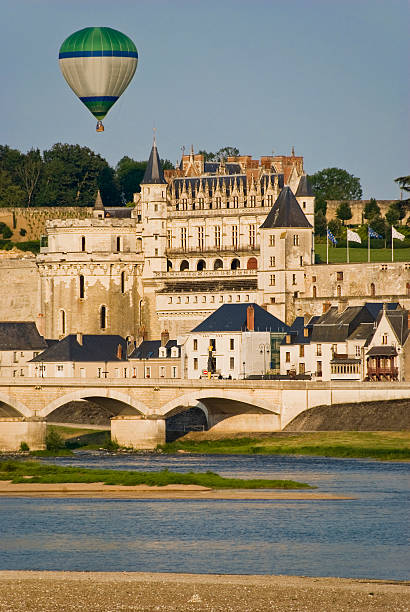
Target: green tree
pixel 107 184
pixel 221 155
pixel 29 170
pixel 320 223
pixel 335 226
pixel 395 213
pixel 335 184
pixel 129 174
pixel 379 225
pixel 344 212
pixel 10 194
pixel 371 209
pixel 71 174
pixel 403 182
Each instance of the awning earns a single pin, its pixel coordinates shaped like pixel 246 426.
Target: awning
pixel 382 351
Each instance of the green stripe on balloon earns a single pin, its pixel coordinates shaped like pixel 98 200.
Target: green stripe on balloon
pixel 99 108
pixel 97 39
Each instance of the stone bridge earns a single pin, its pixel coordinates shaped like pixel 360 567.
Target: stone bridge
pixel 140 407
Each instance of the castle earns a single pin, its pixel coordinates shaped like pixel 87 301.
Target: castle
pixel 203 235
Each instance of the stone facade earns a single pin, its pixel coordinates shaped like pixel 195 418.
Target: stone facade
pixel 192 242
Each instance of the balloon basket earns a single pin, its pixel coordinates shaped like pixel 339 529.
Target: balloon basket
pixel 100 127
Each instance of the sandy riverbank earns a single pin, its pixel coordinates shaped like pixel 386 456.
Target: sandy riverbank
pixel 147 592
pixel 98 489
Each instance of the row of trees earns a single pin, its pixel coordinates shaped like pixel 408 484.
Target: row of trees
pixel 66 175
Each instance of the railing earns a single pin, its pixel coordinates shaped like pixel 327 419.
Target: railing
pixel 382 371
pixel 218 212
pixel 235 250
pixel 198 274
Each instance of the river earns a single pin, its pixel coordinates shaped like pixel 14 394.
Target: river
pixel 366 537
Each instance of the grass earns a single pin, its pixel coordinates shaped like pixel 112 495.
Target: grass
pixel 360 255
pixel 393 446
pixel 18 471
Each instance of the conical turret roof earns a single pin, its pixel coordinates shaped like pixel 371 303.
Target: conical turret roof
pixel 304 188
pixel 98 204
pixel 286 212
pixel 154 174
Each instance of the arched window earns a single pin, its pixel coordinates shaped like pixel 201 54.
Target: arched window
pixel 169 265
pixel 83 243
pixel 139 245
pixel 122 282
pixel 62 322
pixel 103 317
pixel 314 291
pixel 218 264
pixel 339 291
pixel 184 265
pixel 235 264
pixel 82 287
pixel 372 290
pixel 201 265
pixel 252 263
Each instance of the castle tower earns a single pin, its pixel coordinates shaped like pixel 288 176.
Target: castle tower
pixel 98 211
pixel 154 215
pixel 306 199
pixel 286 239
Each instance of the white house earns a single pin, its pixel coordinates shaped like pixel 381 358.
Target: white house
pixel 236 341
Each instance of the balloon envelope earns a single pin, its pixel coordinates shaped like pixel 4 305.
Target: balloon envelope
pixel 98 64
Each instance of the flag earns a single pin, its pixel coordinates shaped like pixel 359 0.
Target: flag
pixel 396 234
pixel 353 236
pixel 373 234
pixel 331 237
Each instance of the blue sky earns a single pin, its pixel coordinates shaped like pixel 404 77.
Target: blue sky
pixel 329 77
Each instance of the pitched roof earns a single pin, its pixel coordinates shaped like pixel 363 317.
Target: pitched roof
pixel 286 212
pixel 154 174
pixel 304 188
pixel 93 348
pixel 149 349
pixel 20 335
pixel 98 204
pixel 297 331
pixel 233 317
pixel 398 319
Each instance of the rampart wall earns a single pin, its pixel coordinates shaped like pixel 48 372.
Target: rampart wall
pixel 33 220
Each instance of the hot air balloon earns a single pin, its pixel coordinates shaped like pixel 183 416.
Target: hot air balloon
pixel 98 64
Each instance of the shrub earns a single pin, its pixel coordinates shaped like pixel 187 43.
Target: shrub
pixel 54 440
pixel 24 447
pixel 110 444
pixel 23 232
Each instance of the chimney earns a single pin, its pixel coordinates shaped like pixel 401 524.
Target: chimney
pixel 119 351
pixel 326 306
pixel 250 318
pixel 164 337
pixel 341 306
pixel 79 336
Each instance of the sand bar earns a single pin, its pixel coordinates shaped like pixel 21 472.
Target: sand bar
pixel 159 592
pixel 100 490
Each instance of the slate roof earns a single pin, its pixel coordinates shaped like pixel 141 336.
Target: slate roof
pixel 93 348
pixel 149 349
pixel 304 188
pixel 286 212
pixel 384 351
pixel 118 212
pixel 20 336
pixel 399 321
pixel 228 183
pixel 233 317
pixel 335 326
pixel 296 331
pixel 154 174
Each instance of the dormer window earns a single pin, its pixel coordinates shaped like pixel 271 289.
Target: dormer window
pixel 174 351
pixel 163 351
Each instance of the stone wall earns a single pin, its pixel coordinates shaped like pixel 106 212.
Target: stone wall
pixel 33 220
pixel 20 289
pixel 357 208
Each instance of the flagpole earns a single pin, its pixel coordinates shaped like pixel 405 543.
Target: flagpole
pixel 347 247
pixel 368 243
pixel 327 245
pixel 392 248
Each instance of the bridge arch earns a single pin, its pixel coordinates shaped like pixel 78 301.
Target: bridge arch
pixel 13 407
pixel 234 401
pixel 121 403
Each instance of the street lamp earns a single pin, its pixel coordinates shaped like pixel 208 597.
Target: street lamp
pixel 264 350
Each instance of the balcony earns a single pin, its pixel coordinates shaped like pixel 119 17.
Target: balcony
pixel 214 250
pixel 391 373
pixel 205 274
